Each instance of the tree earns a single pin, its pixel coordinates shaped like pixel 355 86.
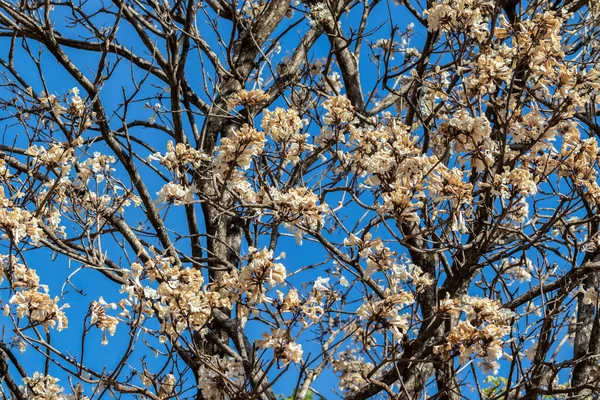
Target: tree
pixel 430 168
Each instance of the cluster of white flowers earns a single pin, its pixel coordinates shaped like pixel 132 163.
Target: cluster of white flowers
pixel 445 184
pixel 179 155
pixel 17 223
pixel 52 103
pixel 533 127
pixel 77 107
pixel 221 376
pixel 339 110
pixel 465 16
pixel 297 208
pixel 377 256
pixel 57 155
pixel 167 385
pixel 290 302
pixel 32 300
pixel 590 296
pixel 470 135
pixel 101 320
pixel 405 270
pixel 334 82
pixel 380 258
pixel 284 347
pixel 180 298
pixel 391 161
pixel 493 67
pixel 578 159
pixel 402 197
pixel 386 314
pixel 285 127
pixel 176 193
pixel 514 181
pixel 260 270
pixel 247 98
pixel 238 150
pixel 378 151
pixel 539 41
pixel 353 370
pixel 252 9
pixel 44 387
pixel 517 269
pixel 480 333
pixel 98 166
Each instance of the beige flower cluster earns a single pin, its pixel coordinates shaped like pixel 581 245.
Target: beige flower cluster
pixel 590 296
pixel 247 98
pixel 480 333
pixel 518 269
pixel 296 207
pixel 238 150
pixel 176 194
pixel 221 376
pixel 177 159
pixel 538 41
pixel 98 166
pixel 533 127
pixel 180 300
pixel 389 159
pixel 101 320
pixel 515 181
pixel 31 299
pixel 339 110
pixel 17 223
pixel 386 314
pixel 251 284
pixel 285 127
pixel 352 370
pixel 380 258
pixel 179 155
pixel 320 15
pixel 259 271
pixel 493 67
pixel 77 107
pixel 44 387
pixel 310 310
pixel 579 159
pixel 283 345
pixel 290 302
pixel 449 184
pixel 405 271
pixel 460 16
pixel 57 155
pixel 471 138
pixel 52 103
pixel 379 151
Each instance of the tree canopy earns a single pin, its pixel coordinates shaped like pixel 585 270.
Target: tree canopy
pixel 316 199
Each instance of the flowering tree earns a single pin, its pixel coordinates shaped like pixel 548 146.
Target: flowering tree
pixel 430 167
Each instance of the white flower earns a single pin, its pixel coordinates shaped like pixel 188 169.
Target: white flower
pixel 321 284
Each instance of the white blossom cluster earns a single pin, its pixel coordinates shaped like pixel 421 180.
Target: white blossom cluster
pixel 283 345
pixel 31 299
pixel 101 320
pixel 221 376
pixel 480 333
pixel 470 17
